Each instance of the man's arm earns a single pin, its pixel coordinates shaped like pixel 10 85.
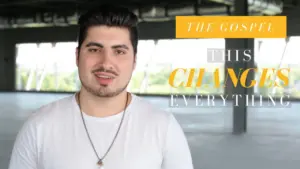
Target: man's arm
pixel 176 151
pixel 24 153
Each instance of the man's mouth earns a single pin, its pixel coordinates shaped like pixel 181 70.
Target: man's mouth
pixel 105 77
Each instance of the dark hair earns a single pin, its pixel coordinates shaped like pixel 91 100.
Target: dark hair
pixel 109 15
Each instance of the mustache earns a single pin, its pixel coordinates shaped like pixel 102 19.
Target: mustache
pixel 102 69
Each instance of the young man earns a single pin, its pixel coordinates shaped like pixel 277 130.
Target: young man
pixel 103 125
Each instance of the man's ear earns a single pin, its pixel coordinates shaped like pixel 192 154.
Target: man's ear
pixel 77 56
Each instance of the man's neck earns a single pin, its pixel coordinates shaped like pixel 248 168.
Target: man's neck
pixel 102 106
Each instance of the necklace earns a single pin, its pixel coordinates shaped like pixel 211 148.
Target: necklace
pixel 100 160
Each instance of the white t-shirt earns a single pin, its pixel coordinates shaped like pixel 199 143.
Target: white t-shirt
pixel 54 138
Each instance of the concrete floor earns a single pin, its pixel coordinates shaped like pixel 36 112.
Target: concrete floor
pixel 272 141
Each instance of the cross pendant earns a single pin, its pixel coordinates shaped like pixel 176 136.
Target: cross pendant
pixel 100 163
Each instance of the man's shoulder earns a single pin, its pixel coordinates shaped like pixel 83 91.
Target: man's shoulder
pixel 52 109
pixel 151 111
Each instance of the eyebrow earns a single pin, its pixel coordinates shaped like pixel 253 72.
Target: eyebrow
pixel 101 46
pixel 94 44
pixel 120 46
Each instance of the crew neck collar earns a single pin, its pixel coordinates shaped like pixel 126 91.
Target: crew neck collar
pixel 107 118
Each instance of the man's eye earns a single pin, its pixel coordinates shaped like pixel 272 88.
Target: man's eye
pixel 120 52
pixel 92 50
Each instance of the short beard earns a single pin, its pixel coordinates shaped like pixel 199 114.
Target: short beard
pixel 103 91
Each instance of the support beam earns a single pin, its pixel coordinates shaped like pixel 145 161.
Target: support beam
pixel 239 92
pixel 2 60
pixel 148 30
pixel 7 63
pixel 240 110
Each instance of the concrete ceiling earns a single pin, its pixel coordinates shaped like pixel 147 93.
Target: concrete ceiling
pixel 64 12
pixel 30 7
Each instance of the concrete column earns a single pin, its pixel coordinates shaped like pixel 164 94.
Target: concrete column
pixel 7 63
pixel 239 92
pixel 1 60
pixel 240 111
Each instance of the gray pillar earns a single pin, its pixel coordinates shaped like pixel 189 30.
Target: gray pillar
pixel 239 92
pixel 240 111
pixel 7 63
pixel 1 59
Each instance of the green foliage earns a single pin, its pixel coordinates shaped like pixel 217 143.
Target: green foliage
pixel 65 82
pixel 158 83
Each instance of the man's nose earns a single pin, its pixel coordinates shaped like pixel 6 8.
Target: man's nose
pixel 106 60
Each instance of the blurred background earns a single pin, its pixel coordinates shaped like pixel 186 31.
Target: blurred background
pixel 37 66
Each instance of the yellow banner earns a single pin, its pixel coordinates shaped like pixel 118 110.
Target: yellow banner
pixel 231 26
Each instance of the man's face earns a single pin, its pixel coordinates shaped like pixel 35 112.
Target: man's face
pixel 106 61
